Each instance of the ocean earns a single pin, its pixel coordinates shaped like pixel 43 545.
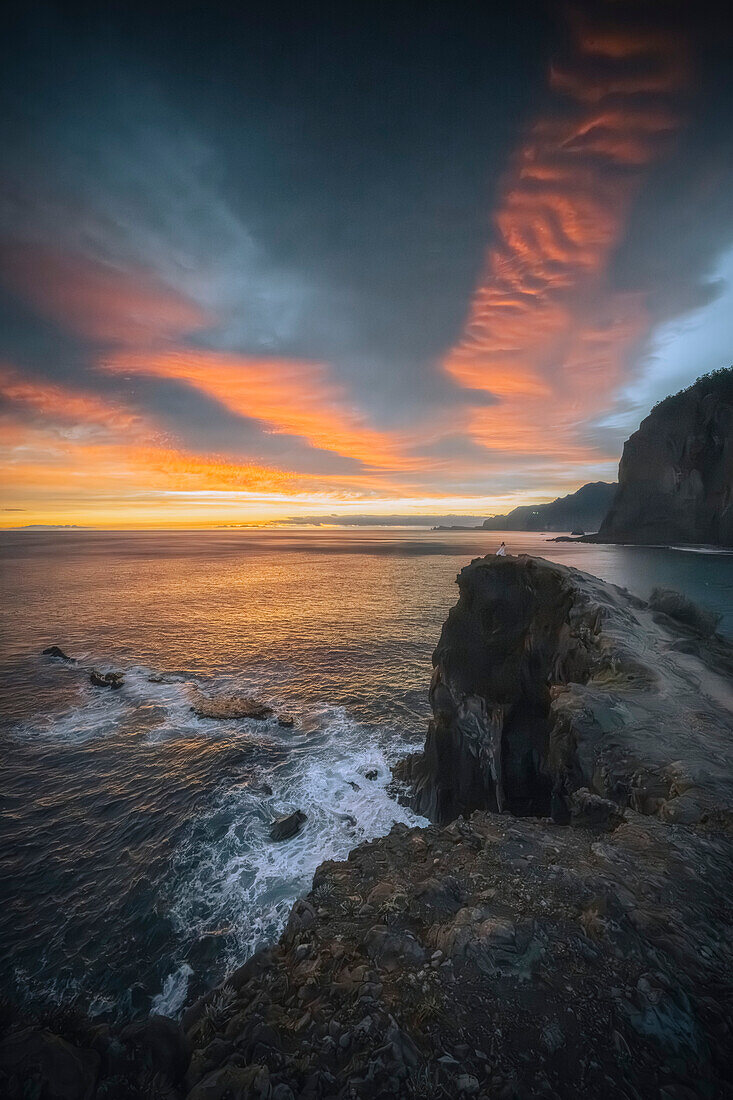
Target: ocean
pixel 135 858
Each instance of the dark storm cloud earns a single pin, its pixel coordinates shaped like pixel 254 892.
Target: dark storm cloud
pixel 323 189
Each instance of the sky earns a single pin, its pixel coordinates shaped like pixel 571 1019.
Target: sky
pixel 261 262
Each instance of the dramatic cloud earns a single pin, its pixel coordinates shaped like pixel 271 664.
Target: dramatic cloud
pixel 547 334
pixel 392 266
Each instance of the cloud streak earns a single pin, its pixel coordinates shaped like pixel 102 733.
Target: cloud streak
pixel 546 333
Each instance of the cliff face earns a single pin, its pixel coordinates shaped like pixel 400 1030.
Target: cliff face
pixel 676 473
pixel 584 509
pixel 548 682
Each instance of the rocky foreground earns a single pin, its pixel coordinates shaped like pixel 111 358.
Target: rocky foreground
pixel 562 930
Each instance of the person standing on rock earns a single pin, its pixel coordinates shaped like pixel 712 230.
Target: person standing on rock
pixel 501 552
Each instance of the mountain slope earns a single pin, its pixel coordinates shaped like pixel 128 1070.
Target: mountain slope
pixel 583 510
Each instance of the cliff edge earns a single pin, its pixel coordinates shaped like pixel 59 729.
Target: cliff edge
pixel 676 472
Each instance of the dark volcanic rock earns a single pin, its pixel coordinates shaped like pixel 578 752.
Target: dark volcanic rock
pixel 160 1044
pixel 548 680
pixel 676 473
pixel 684 611
pixel 35 1062
pixel 288 825
pixel 112 680
pixel 228 705
pixel 54 651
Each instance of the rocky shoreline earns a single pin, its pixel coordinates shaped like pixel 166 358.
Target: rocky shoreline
pixel 562 930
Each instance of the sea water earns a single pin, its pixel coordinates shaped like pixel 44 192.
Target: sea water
pixel 136 866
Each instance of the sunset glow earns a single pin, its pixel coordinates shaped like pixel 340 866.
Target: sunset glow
pixel 168 342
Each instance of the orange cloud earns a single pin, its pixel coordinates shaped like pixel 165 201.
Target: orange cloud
pixel 545 333
pixel 290 396
pixel 61 447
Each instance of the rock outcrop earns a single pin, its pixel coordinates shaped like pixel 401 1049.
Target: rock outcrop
pixel 676 472
pixel 228 705
pixel 548 681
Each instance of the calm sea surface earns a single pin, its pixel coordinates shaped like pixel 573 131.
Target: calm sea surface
pixel 135 863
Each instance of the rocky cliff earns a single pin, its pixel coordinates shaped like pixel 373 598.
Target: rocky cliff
pixel 562 930
pixel 584 509
pixel 676 472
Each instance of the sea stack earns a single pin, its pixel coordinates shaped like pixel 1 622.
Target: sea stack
pixel 676 472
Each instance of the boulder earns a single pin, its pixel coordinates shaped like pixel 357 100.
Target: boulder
pixel 288 825
pixel 684 611
pixel 228 705
pixel 113 680
pixel 54 651
pixel 159 1044
pixel 35 1062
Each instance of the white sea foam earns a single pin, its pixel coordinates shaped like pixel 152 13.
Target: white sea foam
pixel 237 877
pixel 172 998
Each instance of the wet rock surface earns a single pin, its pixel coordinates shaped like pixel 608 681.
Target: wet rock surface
pixel 288 825
pixel 229 705
pixel 113 680
pixel 57 653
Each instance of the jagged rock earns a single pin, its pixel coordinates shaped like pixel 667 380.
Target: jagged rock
pixel 548 680
pixel 232 1081
pixel 591 811
pixel 113 680
pixel 35 1062
pixel 228 705
pixel 285 721
pixel 161 1044
pixel 676 473
pixel 288 825
pixel 682 610
pixel 54 651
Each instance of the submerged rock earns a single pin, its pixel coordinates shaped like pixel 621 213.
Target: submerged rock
pixel 228 705
pixel 113 680
pixel 54 651
pixel 288 825
pixel 285 721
